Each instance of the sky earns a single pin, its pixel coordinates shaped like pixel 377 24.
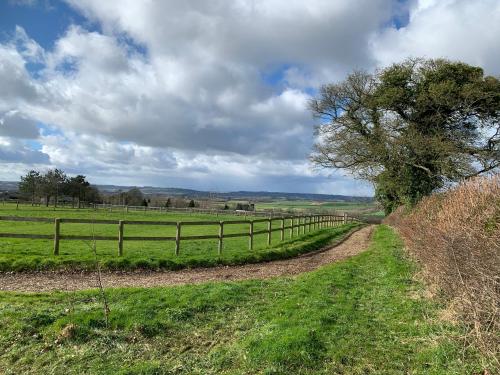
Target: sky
pixel 200 94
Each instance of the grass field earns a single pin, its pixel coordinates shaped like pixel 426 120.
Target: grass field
pixel 28 254
pixel 308 205
pixel 366 315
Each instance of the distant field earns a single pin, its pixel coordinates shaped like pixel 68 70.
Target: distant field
pixel 25 254
pixel 317 205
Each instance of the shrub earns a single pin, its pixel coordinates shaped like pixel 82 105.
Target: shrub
pixel 456 237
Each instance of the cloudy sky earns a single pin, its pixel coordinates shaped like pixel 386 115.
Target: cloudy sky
pixel 204 94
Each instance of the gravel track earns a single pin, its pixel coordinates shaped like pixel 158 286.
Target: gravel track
pixel 355 243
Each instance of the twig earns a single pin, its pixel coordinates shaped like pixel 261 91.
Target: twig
pixel 93 247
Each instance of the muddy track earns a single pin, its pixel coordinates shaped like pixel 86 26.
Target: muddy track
pixel 356 243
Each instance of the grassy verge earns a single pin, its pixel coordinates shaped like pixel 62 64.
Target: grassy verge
pixel 365 315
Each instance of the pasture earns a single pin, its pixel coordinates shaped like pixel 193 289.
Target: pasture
pixel 309 205
pixel 33 254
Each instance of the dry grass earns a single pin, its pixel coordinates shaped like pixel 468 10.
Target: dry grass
pixel 456 237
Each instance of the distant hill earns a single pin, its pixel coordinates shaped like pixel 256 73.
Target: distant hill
pixel 12 186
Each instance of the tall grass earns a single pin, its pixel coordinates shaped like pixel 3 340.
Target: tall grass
pixel 456 237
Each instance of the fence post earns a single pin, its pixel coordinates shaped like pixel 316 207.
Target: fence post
pixel 120 238
pixel 291 227
pixel 310 221
pixel 177 237
pixel 250 239
pixel 269 225
pixel 57 228
pixel 221 236
pixel 345 218
pixel 282 233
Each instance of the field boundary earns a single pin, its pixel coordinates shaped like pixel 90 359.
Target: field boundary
pixel 274 212
pixel 297 225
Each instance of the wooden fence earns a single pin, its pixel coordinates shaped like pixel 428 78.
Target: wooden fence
pixel 297 225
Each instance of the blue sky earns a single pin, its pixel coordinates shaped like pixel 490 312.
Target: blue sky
pixel 206 95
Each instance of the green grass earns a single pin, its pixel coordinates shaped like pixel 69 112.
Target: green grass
pixel 313 204
pixel 28 254
pixel 365 315
pixel 306 205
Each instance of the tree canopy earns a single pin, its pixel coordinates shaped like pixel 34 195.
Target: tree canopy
pixel 54 183
pixel 411 128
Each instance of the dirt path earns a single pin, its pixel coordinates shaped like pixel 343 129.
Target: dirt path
pixel 43 282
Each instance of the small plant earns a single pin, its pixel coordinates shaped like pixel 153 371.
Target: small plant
pixel 104 300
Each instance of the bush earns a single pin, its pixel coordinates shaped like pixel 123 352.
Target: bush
pixel 456 237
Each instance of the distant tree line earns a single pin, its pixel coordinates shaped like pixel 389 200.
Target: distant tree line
pixel 244 206
pixel 55 184
pixel 135 197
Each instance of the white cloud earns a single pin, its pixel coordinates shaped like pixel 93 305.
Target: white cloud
pixel 13 151
pixel 14 124
pixel 16 86
pixel 212 94
pixel 455 29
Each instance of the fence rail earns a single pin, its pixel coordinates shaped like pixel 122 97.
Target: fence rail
pixel 297 225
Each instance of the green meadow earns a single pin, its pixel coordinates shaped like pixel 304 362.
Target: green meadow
pixel 364 315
